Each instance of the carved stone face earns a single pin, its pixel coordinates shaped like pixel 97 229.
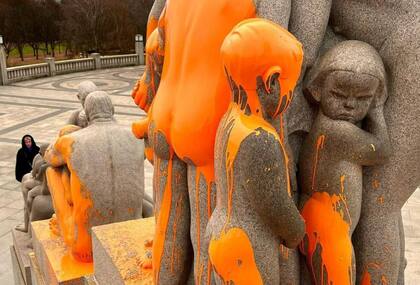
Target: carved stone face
pixel 348 95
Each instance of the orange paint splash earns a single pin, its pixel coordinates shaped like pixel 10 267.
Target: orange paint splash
pixel 241 126
pixel 162 220
pixel 367 277
pixel 319 146
pixel 233 258
pixel 326 228
pixel 71 200
pixel 178 209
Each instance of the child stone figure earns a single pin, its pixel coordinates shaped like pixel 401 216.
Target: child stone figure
pixel 349 84
pixel 254 212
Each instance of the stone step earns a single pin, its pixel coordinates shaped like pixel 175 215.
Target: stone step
pixel 22 246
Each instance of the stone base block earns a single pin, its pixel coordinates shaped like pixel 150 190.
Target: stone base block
pixel 17 274
pixel 54 259
pixel 119 250
pixel 36 274
pixel 22 246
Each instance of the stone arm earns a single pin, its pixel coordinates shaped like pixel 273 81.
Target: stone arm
pixel 53 155
pixel 265 179
pixel 73 118
pixel 146 87
pixel 360 146
pixel 308 22
pixel 154 15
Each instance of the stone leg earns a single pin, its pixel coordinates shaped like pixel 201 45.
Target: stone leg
pixel 56 178
pixel 172 250
pixel 28 182
pixel 202 193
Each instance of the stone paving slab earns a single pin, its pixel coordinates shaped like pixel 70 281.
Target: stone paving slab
pixel 41 107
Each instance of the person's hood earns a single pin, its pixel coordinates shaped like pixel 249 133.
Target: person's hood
pixel 34 146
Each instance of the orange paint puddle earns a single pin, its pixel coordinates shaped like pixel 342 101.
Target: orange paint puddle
pixel 325 227
pixel 233 258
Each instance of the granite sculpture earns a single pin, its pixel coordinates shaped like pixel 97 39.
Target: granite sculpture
pixel 183 117
pixel 254 212
pixel 181 124
pixel 78 117
pixel 36 196
pixel 115 193
pixel 349 84
pixel 392 28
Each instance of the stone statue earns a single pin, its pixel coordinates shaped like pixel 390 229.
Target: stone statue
pixel 392 27
pixel 34 185
pixel 102 181
pixel 349 84
pixel 78 117
pixel 254 212
pixel 183 117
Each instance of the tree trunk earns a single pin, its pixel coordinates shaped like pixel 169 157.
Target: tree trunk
pixel 20 50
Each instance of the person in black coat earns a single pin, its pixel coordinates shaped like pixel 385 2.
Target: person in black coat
pixel 25 156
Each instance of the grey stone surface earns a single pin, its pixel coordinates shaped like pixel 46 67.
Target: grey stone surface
pixel 22 246
pixel 392 27
pixel 107 163
pixel 255 211
pixel 349 84
pixel 17 274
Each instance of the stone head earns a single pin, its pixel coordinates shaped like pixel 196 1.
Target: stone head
pixel 43 148
pixel 347 81
pixel 98 106
pixel 85 88
pixel 262 62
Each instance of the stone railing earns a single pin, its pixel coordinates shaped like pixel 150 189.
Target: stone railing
pixel 76 65
pixel 53 68
pixel 119 60
pixel 27 72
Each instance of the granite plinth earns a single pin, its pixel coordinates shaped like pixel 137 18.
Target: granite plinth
pixel 119 250
pixel 17 273
pixel 20 250
pixel 55 262
pixel 36 274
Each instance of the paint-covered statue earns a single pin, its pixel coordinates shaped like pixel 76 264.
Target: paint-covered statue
pixel 349 84
pixel 254 211
pixel 36 195
pixel 96 178
pixel 184 112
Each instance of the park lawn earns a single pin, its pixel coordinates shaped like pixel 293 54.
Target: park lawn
pixel 28 51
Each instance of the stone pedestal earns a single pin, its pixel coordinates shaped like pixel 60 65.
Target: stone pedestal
pixel 20 251
pixel 118 251
pixel 54 261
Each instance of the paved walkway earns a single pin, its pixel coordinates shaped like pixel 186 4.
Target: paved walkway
pixel 41 107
